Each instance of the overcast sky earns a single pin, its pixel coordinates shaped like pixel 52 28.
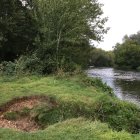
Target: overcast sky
pixel 124 18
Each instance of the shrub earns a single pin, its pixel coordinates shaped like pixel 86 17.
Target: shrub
pixel 119 115
pixel 7 68
pixel 45 115
pixel 34 65
pixel 23 65
pixel 29 65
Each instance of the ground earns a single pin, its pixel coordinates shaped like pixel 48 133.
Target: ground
pixel 69 108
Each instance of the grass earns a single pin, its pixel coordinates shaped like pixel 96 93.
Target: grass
pixel 62 89
pixel 76 97
pixel 74 129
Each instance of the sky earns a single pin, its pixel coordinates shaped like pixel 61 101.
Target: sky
pixel 123 18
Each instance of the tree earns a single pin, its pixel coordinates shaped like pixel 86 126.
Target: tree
pixel 66 25
pixel 17 29
pixel 54 34
pixel 101 58
pixel 127 54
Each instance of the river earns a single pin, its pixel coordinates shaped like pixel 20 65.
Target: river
pixel 126 84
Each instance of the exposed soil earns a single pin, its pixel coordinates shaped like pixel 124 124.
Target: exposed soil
pixel 25 123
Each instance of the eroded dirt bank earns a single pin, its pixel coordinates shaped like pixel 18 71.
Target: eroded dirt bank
pixel 15 114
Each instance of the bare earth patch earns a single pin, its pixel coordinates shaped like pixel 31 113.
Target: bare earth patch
pixel 25 123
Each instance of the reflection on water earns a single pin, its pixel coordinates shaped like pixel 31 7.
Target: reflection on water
pixel 126 84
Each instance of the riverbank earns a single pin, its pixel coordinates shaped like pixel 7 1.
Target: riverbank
pixel 82 106
pixel 125 84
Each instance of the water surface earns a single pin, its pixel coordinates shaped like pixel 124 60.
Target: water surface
pixel 126 84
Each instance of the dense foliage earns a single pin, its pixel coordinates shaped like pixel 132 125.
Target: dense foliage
pixel 127 54
pixel 51 34
pixel 101 58
pixel 17 29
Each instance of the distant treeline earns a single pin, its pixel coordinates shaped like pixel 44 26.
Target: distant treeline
pixel 101 58
pixel 127 54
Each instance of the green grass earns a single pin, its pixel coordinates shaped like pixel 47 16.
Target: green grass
pixel 74 129
pixel 63 89
pixel 76 97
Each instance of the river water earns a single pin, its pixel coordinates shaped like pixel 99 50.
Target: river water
pixel 126 84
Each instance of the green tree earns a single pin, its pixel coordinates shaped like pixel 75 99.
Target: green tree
pixel 66 27
pixel 17 29
pixel 127 54
pixel 101 58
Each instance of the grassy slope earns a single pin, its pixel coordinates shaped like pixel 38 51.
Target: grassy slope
pixel 74 129
pixel 60 88
pixel 64 90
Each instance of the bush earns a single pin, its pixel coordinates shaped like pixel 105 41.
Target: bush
pixel 29 64
pixel 119 115
pixel 24 65
pixel 33 65
pixel 7 68
pixel 45 115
